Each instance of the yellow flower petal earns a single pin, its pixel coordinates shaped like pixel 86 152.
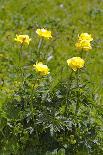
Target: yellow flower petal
pixel 42 69
pixel 75 63
pixel 22 39
pixel 85 36
pixel 83 44
pixel 44 33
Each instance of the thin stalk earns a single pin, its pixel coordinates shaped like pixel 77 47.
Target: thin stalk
pixel 39 47
pixel 81 53
pixel 21 71
pixel 21 67
pixel 77 101
pixel 69 86
pixel 32 111
pixel 31 104
pixel 20 59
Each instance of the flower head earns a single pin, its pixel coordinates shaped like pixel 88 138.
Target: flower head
pixel 44 33
pixel 85 36
pixel 75 63
pixel 83 44
pixel 23 39
pixel 42 69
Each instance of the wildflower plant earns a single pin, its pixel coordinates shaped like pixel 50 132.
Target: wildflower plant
pixel 43 116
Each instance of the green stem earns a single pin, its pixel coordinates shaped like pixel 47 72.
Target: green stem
pixel 32 111
pixel 69 87
pixel 21 66
pixel 21 74
pixel 39 47
pixel 81 53
pixel 20 60
pixel 77 101
pixel 31 104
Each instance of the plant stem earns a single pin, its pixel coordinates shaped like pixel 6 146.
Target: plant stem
pixel 21 72
pixel 20 58
pixel 77 101
pixel 31 104
pixel 32 111
pixel 81 53
pixel 39 47
pixel 69 86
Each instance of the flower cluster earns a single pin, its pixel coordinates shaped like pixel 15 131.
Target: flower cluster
pixel 84 42
pixel 75 63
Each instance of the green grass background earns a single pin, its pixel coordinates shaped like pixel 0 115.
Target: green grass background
pixel 66 19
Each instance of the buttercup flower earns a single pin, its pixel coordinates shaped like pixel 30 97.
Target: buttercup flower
pixel 83 44
pixel 23 39
pixel 85 36
pixel 75 63
pixel 44 33
pixel 42 69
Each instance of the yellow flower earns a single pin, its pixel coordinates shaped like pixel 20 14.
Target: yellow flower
pixel 75 63
pixel 85 36
pixel 42 69
pixel 23 39
pixel 83 44
pixel 44 33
